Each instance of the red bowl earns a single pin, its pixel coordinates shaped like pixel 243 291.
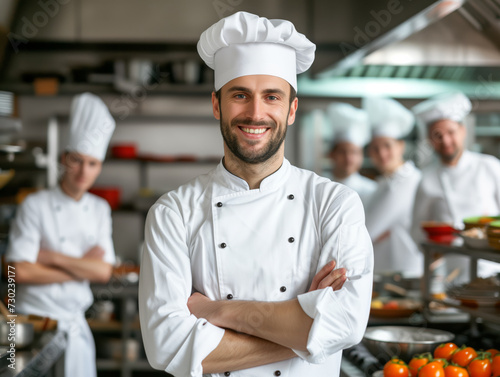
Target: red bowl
pixel 110 194
pixel 124 150
pixel 439 232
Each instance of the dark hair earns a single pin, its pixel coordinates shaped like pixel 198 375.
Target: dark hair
pixel 293 94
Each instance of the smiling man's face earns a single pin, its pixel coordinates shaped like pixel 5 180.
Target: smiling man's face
pixel 254 113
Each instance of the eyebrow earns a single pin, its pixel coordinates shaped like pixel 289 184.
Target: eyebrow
pixel 266 91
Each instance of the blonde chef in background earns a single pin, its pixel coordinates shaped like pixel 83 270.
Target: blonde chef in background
pixel 389 212
pixel 60 240
pixel 460 183
pixel 237 274
pixel 351 133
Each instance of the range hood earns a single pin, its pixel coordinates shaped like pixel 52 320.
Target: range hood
pixel 446 33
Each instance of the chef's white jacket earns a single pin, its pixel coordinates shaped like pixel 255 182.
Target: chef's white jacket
pixel 365 187
pixel 216 236
pixel 390 210
pixel 49 219
pixel 450 194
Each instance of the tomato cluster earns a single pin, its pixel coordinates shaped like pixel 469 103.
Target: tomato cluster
pixel 447 360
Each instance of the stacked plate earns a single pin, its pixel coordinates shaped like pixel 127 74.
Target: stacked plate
pixel 486 292
pixel 6 103
pixel 493 233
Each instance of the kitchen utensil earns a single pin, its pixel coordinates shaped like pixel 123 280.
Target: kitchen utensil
pixel 493 234
pixel 19 333
pixel 439 232
pixel 385 342
pixel 109 193
pixel 399 291
pixel 125 150
pixel 113 348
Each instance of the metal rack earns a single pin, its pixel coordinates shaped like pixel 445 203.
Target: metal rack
pixel 430 249
pixel 127 293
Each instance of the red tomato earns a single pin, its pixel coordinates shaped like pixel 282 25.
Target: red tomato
pixel 464 356
pixel 445 351
pixel 493 352
pixel 495 365
pixel 455 371
pixel 391 305
pixel 480 367
pixel 432 369
pixel 396 368
pixel 443 362
pixel 418 361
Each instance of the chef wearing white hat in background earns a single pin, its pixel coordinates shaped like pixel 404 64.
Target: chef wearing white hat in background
pixel 460 183
pixel 389 212
pixel 256 238
pixel 60 240
pixel 351 133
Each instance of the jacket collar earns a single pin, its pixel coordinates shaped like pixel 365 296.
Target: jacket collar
pixel 234 183
pixel 63 198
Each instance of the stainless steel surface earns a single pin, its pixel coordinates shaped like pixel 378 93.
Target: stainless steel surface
pixel 21 334
pixel 415 23
pixel 403 341
pixel 430 250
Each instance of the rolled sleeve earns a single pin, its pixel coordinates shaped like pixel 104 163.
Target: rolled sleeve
pixel 106 235
pixel 340 317
pixel 175 340
pixel 25 233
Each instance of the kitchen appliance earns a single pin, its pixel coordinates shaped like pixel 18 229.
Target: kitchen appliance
pixel 403 341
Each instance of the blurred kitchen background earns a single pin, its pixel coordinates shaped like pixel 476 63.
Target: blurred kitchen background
pixel 140 58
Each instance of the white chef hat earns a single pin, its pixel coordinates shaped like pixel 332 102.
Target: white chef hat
pixel 454 106
pixel 388 118
pixel 91 126
pixel 245 44
pixel 349 124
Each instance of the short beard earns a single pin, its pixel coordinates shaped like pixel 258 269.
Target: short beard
pixel 232 143
pixel 446 158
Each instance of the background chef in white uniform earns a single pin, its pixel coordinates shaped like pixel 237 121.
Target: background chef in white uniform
pixel 389 212
pixel 60 240
pixel 351 133
pixel 255 238
pixel 460 183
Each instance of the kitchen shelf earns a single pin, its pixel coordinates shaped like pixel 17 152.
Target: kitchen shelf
pixel 131 365
pixel 491 314
pixel 71 89
pixel 126 292
pixel 110 326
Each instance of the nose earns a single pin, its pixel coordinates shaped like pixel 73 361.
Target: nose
pixel 255 109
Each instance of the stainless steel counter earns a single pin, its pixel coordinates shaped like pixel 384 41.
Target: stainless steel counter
pixel 45 357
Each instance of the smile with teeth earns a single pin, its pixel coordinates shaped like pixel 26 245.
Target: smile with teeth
pixel 254 130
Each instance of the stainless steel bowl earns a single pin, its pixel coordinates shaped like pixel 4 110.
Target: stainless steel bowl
pixel 22 334
pixel 385 342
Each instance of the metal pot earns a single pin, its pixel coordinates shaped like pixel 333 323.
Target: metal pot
pixel 385 342
pixel 20 334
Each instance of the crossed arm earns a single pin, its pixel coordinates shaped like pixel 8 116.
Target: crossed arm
pixel 54 267
pixel 281 326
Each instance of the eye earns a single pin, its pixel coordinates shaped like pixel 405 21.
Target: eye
pixel 272 98
pixel 240 96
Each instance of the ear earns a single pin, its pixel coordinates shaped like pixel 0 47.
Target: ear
pixel 293 111
pixel 215 106
pixel 403 146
